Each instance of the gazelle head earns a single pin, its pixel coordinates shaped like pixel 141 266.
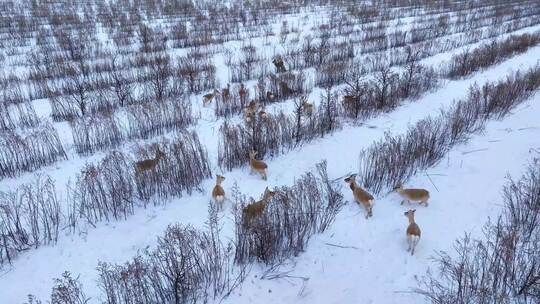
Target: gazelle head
pixel 410 214
pixel 351 179
pixel 398 187
pixel 252 154
pixel 159 153
pixel 268 193
pixel 219 178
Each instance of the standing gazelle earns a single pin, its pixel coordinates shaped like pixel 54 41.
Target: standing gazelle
pixel 207 98
pixel 255 209
pixel 361 196
pixel 307 108
pixel 218 193
pixel 415 195
pixel 149 164
pixel 257 165
pixel 413 231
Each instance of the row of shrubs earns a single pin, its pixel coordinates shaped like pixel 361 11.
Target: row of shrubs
pixel 109 190
pixel 365 98
pixel 501 265
pixel 102 131
pixel 468 61
pixel 18 115
pixel 29 150
pixel 190 266
pixel 271 135
pixel 394 159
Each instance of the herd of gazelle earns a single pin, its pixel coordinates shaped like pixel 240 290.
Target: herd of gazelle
pixel 256 208
pixel 363 198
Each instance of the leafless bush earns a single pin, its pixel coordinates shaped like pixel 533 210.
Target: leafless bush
pixel 273 134
pixel 187 266
pixel 29 151
pixel 184 166
pixel 30 217
pixel 16 115
pixel 501 266
pixel 197 72
pixel 282 86
pixel 95 132
pixel 104 191
pixel 234 103
pixel 155 118
pixel 393 160
pixel 288 221
pixel 488 54
pixel 66 290
pixel 386 91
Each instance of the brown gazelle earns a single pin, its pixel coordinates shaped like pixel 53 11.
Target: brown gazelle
pixel 361 196
pixel 149 164
pixel 250 110
pixel 255 209
pixel 348 100
pixel 207 98
pixel 413 231
pixel 257 165
pixel 242 92
pixel 226 92
pixel 415 195
pixel 270 96
pixel 307 108
pixel 218 193
pixel 280 65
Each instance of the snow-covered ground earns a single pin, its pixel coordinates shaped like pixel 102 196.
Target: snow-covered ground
pixel 356 260
pixel 468 193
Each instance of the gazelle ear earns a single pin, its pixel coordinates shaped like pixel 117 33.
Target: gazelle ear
pixel 414 210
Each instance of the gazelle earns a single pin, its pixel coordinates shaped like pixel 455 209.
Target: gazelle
pixel 242 92
pixel 270 96
pixel 257 165
pixel 280 65
pixel 413 231
pixel 415 195
pixel 255 209
pixel 149 164
pixel 207 98
pixel 361 196
pixel 218 193
pixel 250 109
pixel 348 100
pixel 307 107
pixel 226 92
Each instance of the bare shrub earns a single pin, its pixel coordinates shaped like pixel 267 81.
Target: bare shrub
pixel 66 290
pixel 233 104
pixel 187 266
pixel 393 160
pixel 104 191
pixel 184 166
pixel 29 151
pixel 16 115
pixel 196 71
pixel 467 62
pixel 95 132
pixel 502 265
pixel 273 134
pixel 30 217
pixel 289 220
pixel 155 118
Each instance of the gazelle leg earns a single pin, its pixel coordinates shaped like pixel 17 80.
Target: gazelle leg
pixel 409 239
pixel 402 201
pixel 415 241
